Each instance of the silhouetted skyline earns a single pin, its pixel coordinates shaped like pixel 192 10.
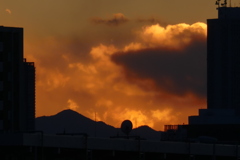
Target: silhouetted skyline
pixel 78 51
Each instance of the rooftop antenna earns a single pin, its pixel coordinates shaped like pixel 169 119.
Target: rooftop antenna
pixel 224 4
pixel 218 3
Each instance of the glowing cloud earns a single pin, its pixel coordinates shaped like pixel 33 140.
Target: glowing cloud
pixel 173 36
pixel 156 79
pixel 173 57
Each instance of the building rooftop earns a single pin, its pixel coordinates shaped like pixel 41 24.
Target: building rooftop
pixel 229 13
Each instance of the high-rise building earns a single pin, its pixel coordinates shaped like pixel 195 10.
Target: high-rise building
pixel 223 60
pixel 223 69
pixel 17 83
pixel 221 119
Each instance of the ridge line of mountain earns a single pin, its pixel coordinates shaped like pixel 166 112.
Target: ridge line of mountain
pixel 69 121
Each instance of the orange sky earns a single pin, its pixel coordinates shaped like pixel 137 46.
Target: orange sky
pixel 143 61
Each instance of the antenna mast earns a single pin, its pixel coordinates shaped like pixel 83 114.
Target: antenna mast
pixel 218 3
pixel 224 4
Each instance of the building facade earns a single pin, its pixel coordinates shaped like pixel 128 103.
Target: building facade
pixel 223 60
pixel 17 83
pixel 29 84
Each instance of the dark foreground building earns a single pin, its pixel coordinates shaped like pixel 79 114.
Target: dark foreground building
pixel 221 119
pixel 81 147
pixel 17 83
pixel 223 60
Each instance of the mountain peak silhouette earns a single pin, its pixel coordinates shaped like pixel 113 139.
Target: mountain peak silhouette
pixel 70 122
pixel 67 111
pixel 69 114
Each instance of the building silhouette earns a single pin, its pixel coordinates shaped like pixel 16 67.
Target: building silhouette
pixel 17 83
pixel 221 119
pixel 17 110
pixel 223 70
pixel 223 60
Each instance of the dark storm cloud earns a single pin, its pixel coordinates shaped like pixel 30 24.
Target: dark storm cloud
pixel 174 71
pixel 116 20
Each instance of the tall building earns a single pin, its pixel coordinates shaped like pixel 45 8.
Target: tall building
pixel 17 83
pixel 221 119
pixel 223 60
pixel 223 69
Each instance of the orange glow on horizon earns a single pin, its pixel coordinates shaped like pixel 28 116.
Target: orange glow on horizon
pixel 89 82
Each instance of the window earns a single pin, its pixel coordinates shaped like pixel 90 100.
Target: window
pixel 1 105
pixel 1 85
pixel 9 76
pixel 1 124
pixel 9 115
pixel 1 66
pixel 9 95
pixel 1 47
pixel 9 56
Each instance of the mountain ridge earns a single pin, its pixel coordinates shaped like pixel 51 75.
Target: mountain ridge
pixel 69 121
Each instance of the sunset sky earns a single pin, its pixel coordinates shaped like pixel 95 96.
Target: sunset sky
pixel 140 60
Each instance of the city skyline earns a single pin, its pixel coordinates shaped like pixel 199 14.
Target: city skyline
pixel 84 59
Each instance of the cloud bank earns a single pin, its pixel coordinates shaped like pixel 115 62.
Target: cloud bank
pixel 156 78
